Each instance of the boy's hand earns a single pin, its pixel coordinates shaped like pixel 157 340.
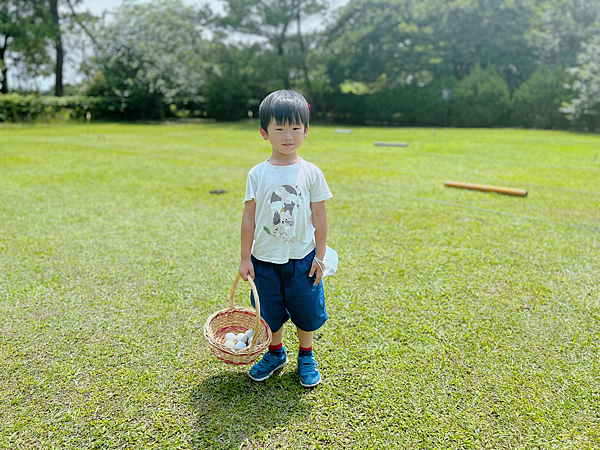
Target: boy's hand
pixel 246 268
pixel 315 269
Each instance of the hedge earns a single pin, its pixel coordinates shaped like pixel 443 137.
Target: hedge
pixel 481 99
pixel 20 108
pixel 537 101
pixel 404 105
pixel 226 98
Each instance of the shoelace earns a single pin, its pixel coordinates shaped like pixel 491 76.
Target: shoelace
pixel 268 359
pixel 307 364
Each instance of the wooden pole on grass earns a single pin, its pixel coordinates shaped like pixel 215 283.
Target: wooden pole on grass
pixel 486 188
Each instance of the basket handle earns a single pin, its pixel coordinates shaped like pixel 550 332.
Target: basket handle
pixel 256 303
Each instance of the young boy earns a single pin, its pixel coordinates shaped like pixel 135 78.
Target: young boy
pixel 284 233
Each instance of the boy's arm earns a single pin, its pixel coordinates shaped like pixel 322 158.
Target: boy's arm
pixel 248 225
pixel 319 218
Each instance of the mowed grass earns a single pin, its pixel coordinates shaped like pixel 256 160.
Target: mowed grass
pixel 458 319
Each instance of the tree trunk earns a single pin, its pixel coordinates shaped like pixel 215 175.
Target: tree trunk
pixel 4 88
pixel 58 89
pixel 283 69
pixel 309 91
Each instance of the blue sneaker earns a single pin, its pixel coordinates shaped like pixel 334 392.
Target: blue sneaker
pixel 267 365
pixel 309 371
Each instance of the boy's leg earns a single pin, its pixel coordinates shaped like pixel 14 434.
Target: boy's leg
pixel 304 301
pixel 308 367
pixel 276 346
pixel 278 337
pixel 273 311
pixel 305 338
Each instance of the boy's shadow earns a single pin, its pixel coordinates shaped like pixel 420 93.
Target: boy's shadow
pixel 230 407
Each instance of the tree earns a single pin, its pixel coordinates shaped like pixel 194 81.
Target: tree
pixel 560 27
pixel 432 106
pixel 147 56
pixel 537 101
pixel 57 35
pixel 481 99
pixel 304 8
pixel 273 21
pixel 586 85
pixel 24 24
pixel 370 39
pixel 226 98
pixel 423 39
pixel 250 65
pixel 66 21
pixel 485 32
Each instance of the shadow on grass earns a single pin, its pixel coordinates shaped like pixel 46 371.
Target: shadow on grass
pixel 231 407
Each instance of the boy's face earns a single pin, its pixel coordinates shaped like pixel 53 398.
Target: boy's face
pixel 285 138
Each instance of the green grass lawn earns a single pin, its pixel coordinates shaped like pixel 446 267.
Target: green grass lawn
pixel 458 319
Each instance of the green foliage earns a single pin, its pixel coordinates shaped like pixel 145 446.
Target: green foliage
pixel 24 25
pixel 279 23
pixel 431 108
pixel 148 55
pixel 376 61
pixel 481 99
pixel 467 33
pixel 388 37
pixel 343 108
pixel 537 101
pixel 586 106
pixel 18 108
pixel 226 99
pixel 560 27
pixel 404 104
pixel 395 106
pixel 427 38
pixel 250 65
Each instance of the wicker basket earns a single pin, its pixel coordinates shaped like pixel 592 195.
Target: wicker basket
pixel 238 320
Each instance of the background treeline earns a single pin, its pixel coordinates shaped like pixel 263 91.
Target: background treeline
pixel 471 63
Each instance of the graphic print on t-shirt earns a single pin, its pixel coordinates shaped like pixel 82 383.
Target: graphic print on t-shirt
pixel 284 206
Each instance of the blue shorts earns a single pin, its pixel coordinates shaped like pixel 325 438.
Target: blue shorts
pixel 287 292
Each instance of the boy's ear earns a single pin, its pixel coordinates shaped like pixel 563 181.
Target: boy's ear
pixel 264 134
pixel 306 131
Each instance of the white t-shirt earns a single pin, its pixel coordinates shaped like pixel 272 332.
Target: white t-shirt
pixel 283 194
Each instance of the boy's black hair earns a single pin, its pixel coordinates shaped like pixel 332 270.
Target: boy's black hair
pixel 286 107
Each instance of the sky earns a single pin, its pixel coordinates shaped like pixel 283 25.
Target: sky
pixel 98 7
